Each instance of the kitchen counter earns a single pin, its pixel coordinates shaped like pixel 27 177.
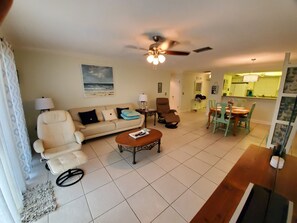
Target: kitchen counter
pixel 264 107
pixel 252 97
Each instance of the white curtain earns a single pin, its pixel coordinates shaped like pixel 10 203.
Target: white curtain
pixel 15 113
pixel 15 151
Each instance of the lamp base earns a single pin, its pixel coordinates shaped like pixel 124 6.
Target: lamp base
pixel 143 105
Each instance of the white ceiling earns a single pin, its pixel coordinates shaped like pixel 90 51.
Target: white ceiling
pixel 237 30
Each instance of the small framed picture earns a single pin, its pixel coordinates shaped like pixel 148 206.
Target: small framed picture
pixel 159 87
pixel 214 89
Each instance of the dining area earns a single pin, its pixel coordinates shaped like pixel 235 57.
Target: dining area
pixel 229 116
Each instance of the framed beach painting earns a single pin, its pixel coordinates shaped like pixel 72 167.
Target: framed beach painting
pixel 97 80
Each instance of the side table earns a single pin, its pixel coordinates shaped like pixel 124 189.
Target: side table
pixel 146 113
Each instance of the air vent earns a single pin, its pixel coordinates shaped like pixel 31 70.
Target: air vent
pixel 202 49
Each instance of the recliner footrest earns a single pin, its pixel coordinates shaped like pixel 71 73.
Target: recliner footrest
pixel 66 164
pixel 66 161
pixel 171 117
pixel 171 120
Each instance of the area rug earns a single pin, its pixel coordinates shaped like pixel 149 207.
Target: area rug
pixel 38 201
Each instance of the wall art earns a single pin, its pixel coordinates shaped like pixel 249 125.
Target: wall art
pixel 97 80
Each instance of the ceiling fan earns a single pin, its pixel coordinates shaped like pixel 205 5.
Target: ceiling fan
pixel 160 47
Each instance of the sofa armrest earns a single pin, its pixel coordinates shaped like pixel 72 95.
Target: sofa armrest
pixel 79 137
pixel 38 146
pixel 78 125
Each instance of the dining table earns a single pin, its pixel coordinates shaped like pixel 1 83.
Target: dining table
pixel 236 112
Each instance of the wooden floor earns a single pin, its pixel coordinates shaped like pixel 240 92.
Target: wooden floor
pixel 254 160
pixel 293 150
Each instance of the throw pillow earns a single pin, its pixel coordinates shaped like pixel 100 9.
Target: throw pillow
pixel 109 115
pixel 130 117
pixel 88 117
pixel 130 113
pixel 119 112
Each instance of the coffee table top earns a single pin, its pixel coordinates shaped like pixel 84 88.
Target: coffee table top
pixel 125 139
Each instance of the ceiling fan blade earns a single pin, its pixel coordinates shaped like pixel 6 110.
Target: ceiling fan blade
pixel 177 53
pixel 135 47
pixel 202 49
pixel 154 46
pixel 167 44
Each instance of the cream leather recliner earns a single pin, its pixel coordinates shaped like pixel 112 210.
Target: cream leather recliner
pixel 59 144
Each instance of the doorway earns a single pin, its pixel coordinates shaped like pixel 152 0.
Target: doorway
pixel 175 92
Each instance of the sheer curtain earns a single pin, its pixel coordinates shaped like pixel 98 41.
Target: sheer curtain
pixel 15 151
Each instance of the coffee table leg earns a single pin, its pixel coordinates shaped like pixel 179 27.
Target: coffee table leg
pixel 120 148
pixel 134 153
pixel 159 143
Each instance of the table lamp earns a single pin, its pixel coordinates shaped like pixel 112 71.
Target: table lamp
pixel 44 104
pixel 143 100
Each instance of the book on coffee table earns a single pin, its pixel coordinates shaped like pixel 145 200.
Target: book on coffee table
pixel 138 134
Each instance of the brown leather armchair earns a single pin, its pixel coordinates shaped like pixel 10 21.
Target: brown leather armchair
pixel 165 114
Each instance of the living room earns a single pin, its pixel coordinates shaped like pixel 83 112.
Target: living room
pixel 51 45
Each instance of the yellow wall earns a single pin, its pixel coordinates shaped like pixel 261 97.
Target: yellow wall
pixel 267 86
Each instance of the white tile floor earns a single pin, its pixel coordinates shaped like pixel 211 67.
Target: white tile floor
pixel 167 187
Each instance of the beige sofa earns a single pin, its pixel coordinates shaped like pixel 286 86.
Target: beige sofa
pixel 103 127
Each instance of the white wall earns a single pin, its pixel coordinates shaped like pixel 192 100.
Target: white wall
pixel 175 91
pixel 58 75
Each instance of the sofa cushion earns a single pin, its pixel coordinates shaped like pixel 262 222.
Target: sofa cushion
pixel 98 128
pixel 109 115
pixel 126 124
pixel 119 112
pixel 88 117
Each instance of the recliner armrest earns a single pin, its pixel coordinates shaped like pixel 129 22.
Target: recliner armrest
pixel 172 110
pixel 38 146
pixel 79 137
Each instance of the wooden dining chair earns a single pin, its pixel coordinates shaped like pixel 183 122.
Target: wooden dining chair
pixel 246 119
pixel 221 117
pixel 212 105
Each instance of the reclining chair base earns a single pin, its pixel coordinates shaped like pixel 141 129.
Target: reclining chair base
pixel 67 175
pixel 68 162
pixel 171 125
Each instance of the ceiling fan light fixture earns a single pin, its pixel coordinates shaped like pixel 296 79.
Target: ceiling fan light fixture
pixel 150 58
pixel 155 61
pixel 161 58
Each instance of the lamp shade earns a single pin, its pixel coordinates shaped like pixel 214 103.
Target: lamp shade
pixel 142 97
pixel 43 103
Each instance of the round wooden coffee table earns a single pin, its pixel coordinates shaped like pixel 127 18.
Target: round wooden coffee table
pixel 127 143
